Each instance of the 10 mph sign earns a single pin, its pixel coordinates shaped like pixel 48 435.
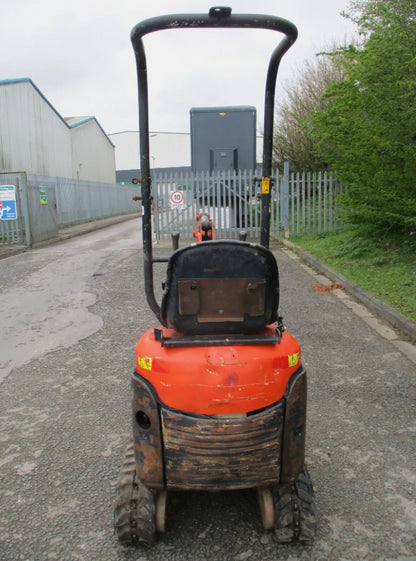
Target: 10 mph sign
pixel 176 200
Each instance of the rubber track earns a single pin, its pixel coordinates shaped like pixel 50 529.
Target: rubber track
pixel 134 512
pixel 295 511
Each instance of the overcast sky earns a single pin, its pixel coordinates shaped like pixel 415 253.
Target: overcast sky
pixel 79 54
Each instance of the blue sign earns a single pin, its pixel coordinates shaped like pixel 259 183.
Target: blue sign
pixel 8 209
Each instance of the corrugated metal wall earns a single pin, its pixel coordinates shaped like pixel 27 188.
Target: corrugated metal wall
pixel 34 138
pixel 93 154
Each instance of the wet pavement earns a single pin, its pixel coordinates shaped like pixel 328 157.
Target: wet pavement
pixel 65 418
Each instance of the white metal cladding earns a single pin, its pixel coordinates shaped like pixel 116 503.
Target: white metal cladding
pixel 34 138
pixel 32 135
pixel 93 154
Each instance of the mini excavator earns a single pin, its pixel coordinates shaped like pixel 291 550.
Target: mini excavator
pixel 219 389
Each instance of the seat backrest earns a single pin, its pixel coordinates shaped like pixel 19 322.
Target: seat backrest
pixel 218 287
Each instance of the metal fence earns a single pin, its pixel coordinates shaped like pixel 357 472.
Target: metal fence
pixel 44 204
pixel 314 201
pixel 13 211
pixel 82 201
pixel 301 203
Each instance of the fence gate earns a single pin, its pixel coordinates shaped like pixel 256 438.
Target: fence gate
pixel 300 203
pixel 12 209
pixel 229 198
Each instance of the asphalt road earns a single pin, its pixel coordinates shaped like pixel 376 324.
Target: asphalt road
pixel 70 316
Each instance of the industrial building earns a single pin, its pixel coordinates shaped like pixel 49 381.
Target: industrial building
pixel 34 138
pixel 223 138
pixel 170 152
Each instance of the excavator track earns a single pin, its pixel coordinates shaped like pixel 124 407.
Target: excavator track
pixel 295 510
pixel 134 512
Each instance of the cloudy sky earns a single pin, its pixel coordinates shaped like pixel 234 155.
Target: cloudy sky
pixel 79 54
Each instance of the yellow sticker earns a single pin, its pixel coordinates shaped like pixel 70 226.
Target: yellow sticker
pixel 265 185
pixel 293 359
pixel 144 362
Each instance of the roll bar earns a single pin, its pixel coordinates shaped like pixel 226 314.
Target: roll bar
pixel 218 17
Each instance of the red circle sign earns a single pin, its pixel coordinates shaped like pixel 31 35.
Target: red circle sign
pixel 176 197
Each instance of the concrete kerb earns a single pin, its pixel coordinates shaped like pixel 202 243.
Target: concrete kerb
pixel 385 312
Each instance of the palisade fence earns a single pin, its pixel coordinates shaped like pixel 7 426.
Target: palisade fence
pixel 300 203
pixel 41 205
pixel 82 201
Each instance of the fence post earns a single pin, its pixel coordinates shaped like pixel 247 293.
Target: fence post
pixel 274 208
pixel 297 194
pixel 319 187
pixel 154 189
pixel 325 201
pixel 284 200
pixel 292 196
pixel 303 199
pixel 331 202
pixel 25 207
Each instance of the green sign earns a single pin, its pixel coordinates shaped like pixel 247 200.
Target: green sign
pixel 43 195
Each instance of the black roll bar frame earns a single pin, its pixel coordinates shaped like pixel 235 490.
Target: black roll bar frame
pixel 218 17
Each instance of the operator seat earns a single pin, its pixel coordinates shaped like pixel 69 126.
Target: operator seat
pixel 221 287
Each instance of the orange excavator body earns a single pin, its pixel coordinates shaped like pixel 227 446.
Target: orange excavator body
pixel 205 231
pixel 218 380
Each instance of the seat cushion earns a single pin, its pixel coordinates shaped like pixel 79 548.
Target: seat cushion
pixel 221 287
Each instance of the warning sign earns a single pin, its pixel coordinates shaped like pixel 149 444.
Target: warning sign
pixel 265 185
pixel 176 200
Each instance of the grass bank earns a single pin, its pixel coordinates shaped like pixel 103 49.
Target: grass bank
pixel 384 266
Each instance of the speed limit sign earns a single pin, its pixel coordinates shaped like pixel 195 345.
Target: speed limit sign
pixel 176 199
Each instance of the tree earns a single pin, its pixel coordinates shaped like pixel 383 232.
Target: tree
pixel 367 132
pixel 303 95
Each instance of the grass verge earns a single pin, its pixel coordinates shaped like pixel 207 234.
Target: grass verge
pixel 384 266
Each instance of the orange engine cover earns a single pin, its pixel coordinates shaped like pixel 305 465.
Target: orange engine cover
pixel 218 380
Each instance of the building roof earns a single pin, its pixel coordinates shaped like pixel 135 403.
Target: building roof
pixel 73 122
pixel 70 122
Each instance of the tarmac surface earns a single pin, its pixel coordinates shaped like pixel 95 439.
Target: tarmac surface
pixel 396 320
pixel 8 250
pixel 65 418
